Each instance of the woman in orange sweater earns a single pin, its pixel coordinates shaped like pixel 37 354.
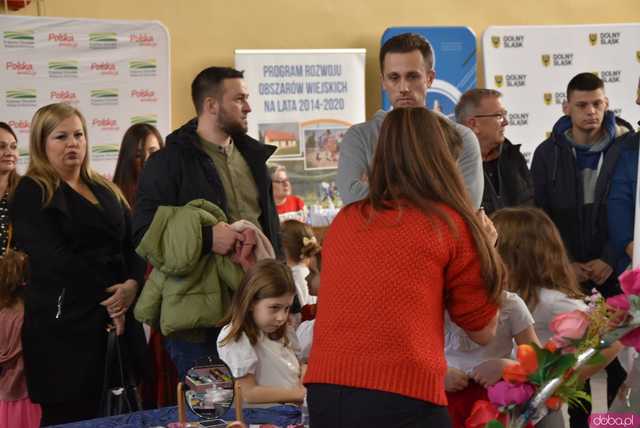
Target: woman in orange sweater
pixel 393 263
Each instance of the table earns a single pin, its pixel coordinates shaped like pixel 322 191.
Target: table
pixel 279 415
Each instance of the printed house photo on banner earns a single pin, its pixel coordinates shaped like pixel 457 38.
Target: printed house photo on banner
pixel 322 146
pixel 285 136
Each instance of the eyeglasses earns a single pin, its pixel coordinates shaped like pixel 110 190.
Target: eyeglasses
pixel 501 115
pixel 286 180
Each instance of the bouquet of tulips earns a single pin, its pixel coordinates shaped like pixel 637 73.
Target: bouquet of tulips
pixel 544 378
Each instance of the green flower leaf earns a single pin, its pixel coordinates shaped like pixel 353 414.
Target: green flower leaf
pixel 597 359
pixel 562 364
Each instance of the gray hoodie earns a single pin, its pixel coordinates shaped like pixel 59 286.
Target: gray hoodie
pixel 358 146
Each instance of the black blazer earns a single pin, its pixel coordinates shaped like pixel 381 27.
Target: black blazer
pixel 76 250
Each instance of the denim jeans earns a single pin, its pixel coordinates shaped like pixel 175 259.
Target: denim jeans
pixel 186 354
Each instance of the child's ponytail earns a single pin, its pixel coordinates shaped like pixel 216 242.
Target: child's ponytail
pixel 298 240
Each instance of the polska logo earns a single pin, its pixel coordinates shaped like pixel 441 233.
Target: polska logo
pixel 21 98
pixel 548 97
pixel 22 68
pixel 495 40
pixel 104 68
pixel 546 59
pixel 63 39
pixel 19 39
pixel 151 119
pixel 105 124
pixel 62 69
pixel 638 55
pixel 103 40
pixel 21 126
pixel 499 80
pixel 142 39
pixel 143 68
pixel 596 73
pixel 593 38
pixel 104 97
pixel 64 96
pixel 144 95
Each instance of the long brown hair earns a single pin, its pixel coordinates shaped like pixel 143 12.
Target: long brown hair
pixel 533 252
pixel 13 273
pixel 131 158
pixel 14 177
pixel 413 163
pixel 44 121
pixel 267 278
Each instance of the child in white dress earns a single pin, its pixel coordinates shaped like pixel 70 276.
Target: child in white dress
pixel 305 329
pixel 540 272
pixel 256 341
pixel 299 245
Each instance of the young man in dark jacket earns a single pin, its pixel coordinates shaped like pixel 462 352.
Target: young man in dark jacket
pixel 507 180
pixel 211 157
pixel 572 173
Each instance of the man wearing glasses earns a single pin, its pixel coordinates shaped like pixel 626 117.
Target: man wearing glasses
pixel 406 65
pixel 572 173
pixel 507 180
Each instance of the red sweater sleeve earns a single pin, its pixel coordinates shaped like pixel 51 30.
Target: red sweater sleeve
pixel 467 297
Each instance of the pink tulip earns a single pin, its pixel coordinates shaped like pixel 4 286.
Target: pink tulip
pixel 621 301
pixel 632 339
pixel 506 393
pixel 569 326
pixel 630 282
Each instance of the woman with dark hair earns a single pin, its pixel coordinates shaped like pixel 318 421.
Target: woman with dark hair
pixel 392 264
pixel 8 178
pixel 138 143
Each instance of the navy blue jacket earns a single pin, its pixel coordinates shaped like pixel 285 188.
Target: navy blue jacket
pixel 558 191
pixel 622 199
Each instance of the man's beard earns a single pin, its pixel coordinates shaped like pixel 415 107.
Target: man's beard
pixel 230 126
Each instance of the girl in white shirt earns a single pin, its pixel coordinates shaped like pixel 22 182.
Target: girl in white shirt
pixel 539 271
pixel 305 329
pixel 299 245
pixel 473 367
pixel 256 342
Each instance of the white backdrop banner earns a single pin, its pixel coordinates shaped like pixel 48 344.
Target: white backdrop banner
pixel 303 102
pixel 117 73
pixel 532 65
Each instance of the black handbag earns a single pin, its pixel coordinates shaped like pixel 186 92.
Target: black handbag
pixel 120 394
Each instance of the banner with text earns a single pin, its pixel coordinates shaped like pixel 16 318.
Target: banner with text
pixel 532 65
pixel 303 102
pixel 117 73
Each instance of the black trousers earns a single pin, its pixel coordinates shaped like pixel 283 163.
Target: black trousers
pixel 335 406
pixel 70 411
